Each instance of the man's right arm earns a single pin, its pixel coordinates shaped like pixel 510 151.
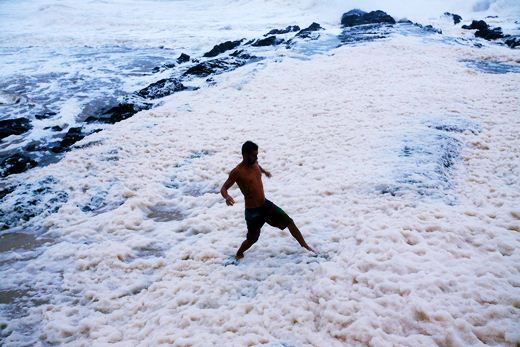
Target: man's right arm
pixel 229 182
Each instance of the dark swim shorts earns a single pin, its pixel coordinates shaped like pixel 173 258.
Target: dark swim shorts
pixel 267 213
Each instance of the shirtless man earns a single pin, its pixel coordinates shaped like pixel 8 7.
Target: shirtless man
pixel 248 176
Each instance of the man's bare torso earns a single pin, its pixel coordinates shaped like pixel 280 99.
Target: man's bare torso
pixel 249 180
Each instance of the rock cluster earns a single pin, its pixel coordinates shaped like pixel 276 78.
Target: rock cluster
pixel 359 17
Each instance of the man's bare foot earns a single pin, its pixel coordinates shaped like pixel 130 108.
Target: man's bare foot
pixel 309 248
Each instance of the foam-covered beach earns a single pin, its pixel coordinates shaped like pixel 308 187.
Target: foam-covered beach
pixel 398 158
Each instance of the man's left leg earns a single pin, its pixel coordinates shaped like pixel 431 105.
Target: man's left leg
pixel 295 232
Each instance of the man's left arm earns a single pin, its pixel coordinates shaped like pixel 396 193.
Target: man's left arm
pixel 265 172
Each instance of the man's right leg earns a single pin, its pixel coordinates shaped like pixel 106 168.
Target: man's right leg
pixel 252 237
pixel 244 247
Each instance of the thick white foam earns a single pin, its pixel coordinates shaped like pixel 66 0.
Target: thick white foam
pixel 409 270
pixel 139 245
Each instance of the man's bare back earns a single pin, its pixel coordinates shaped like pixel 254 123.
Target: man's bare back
pixel 259 210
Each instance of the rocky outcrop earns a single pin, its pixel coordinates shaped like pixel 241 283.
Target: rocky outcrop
pixel 16 163
pixel 308 32
pixel 456 18
pixel 216 66
pixel 14 127
pixel 183 58
pixel 161 88
pixel 221 48
pixel 357 17
pixel 117 113
pixel 268 41
pixel 484 31
pixel 71 137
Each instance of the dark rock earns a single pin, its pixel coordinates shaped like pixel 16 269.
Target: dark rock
pixel 268 41
pixel 118 113
pixel 156 69
pixel 484 31
pixel 71 137
pixel 16 163
pixel 161 88
pixel 307 32
pixel 183 58
pixel 456 18
pixel 513 42
pixel 14 127
pixel 358 17
pixel 476 24
pixel 405 21
pixel 490 34
pixel 289 29
pixel 45 115
pixel 223 47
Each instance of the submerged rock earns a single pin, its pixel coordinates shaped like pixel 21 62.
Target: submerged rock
pixel 357 17
pixel 36 146
pixel 513 42
pixel 456 18
pixel 221 48
pixel 364 33
pixel 16 163
pixel 429 28
pixel 14 127
pixel 216 66
pixel 45 115
pixel 29 200
pixel 71 137
pixel 161 88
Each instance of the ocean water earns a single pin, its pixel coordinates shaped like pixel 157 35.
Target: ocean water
pixel 395 152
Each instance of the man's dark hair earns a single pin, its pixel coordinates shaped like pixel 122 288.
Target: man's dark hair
pixel 248 147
